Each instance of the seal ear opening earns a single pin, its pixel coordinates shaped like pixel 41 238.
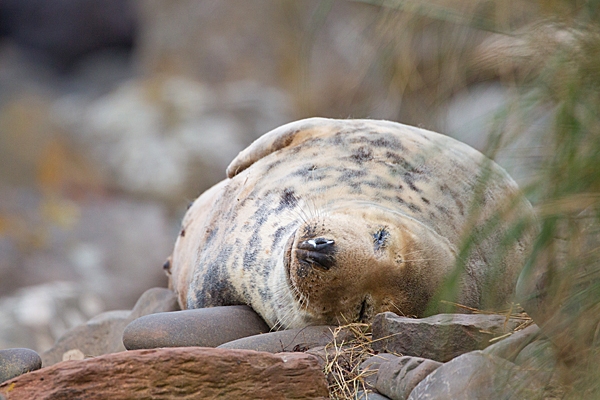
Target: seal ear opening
pixel 287 135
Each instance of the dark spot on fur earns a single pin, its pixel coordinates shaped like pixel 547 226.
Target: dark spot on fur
pixel 310 172
pixel 182 232
pixel 414 207
pixel 400 200
pixel 355 187
pixel 273 164
pixel 282 233
pixel 210 235
pixel 409 179
pixel 426 201
pixel 454 196
pixel 252 247
pixel 362 154
pixel 215 291
pixel 349 174
pixel 387 142
pixel 379 183
pixel 442 209
pixel 288 199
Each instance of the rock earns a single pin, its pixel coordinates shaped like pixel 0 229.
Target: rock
pixel 207 327
pixel 151 135
pixel 300 339
pixel 368 395
pixel 439 337
pixel 476 375
pixel 190 372
pixel 14 362
pixel 371 365
pixel 36 316
pixel 540 357
pixel 397 378
pixel 509 348
pixel 103 333
pixel 108 247
pixel 153 301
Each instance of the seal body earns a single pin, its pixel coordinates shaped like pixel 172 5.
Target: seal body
pixel 327 221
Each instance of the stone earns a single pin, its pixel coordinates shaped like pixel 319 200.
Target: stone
pixel 155 300
pixel 397 378
pixel 300 339
pixel 15 362
pixel 207 327
pixel 371 365
pixel 103 334
pixel 540 357
pixel 162 139
pixel 107 249
pixel 190 372
pixel 477 375
pixel 368 395
pixel 439 337
pixel 509 348
pixel 35 317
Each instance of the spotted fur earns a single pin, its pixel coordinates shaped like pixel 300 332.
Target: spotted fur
pixel 290 185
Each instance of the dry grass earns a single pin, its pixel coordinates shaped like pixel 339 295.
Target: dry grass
pixel 343 356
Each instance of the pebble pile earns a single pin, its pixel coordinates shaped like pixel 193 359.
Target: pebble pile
pixel 467 356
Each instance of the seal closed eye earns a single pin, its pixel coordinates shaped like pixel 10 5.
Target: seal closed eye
pixel 374 226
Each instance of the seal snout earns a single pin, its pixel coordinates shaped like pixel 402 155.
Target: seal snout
pixel 318 252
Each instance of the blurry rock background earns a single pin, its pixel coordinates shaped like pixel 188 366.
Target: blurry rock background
pixel 114 114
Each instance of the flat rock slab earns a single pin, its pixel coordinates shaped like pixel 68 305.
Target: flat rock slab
pixel 370 367
pixel 183 372
pixel 397 378
pixel 439 337
pixel 510 347
pixel 300 339
pixel 206 327
pixel 103 334
pixel 475 376
pixel 14 362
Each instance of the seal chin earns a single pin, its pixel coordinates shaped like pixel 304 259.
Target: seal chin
pixel 347 267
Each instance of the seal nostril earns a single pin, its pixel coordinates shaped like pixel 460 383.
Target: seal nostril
pixel 318 252
pixel 318 244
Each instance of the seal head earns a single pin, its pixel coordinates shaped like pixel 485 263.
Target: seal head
pixel 351 265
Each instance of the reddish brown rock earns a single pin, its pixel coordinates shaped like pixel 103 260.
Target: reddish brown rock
pixel 185 372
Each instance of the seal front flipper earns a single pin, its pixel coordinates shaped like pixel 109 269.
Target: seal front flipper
pixel 288 135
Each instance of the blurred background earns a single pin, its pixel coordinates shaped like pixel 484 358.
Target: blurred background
pixel 115 114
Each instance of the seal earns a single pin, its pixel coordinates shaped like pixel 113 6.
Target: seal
pixel 325 221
